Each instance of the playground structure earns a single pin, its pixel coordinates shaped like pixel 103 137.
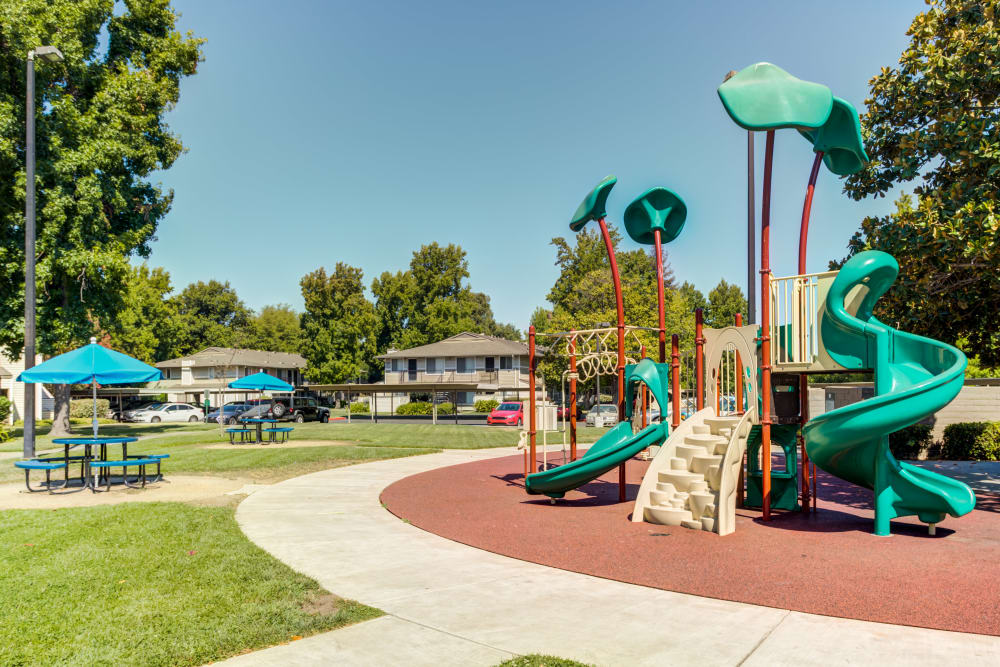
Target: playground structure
pixel 810 323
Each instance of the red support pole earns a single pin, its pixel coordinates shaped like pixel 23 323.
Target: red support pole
pixel 531 397
pixel 675 381
pixel 699 361
pixel 620 307
pixel 661 306
pixel 765 327
pixel 808 471
pixel 572 396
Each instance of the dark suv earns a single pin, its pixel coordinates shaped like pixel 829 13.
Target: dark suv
pixel 288 408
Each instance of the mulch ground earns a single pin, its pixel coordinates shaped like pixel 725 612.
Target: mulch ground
pixel 826 562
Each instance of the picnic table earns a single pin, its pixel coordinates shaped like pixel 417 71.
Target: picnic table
pixel 259 422
pixel 88 444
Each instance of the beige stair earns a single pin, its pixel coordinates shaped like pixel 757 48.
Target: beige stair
pixel 701 463
pixel 693 525
pixel 667 516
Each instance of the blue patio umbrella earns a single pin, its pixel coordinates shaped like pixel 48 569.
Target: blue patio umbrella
pixel 261 382
pixel 91 364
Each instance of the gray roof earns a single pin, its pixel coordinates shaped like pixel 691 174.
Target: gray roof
pixel 462 345
pixel 229 356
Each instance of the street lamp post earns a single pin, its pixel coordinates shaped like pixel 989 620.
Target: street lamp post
pixel 46 54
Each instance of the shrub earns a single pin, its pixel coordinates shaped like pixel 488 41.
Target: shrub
pixel 486 405
pixel 84 408
pixel 960 440
pixel 4 434
pixel 414 408
pixel 4 408
pixel 987 445
pixel 446 408
pixel 909 442
pixel 359 408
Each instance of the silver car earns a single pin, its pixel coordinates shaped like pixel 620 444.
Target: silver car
pixel 609 413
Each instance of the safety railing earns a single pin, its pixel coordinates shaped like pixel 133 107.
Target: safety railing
pixel 795 314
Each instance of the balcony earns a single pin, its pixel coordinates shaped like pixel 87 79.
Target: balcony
pixel 495 378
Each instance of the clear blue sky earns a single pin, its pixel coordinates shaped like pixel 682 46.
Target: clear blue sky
pixel 356 131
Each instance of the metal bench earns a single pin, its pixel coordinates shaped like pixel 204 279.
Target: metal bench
pixel 48 467
pixel 158 457
pixel 274 432
pixel 140 463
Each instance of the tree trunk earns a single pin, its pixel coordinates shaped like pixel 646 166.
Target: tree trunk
pixel 60 417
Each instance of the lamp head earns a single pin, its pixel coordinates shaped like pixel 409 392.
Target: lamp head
pixel 49 54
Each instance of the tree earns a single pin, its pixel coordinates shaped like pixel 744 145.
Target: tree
pixel 101 134
pixel 211 314
pixel 724 301
pixel 146 327
pixel 933 120
pixel 692 296
pixel 339 325
pixel 276 329
pixel 432 300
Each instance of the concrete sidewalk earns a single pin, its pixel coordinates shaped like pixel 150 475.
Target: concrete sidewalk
pixel 450 604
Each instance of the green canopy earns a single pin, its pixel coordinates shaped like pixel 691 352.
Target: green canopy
pixel 656 208
pixel 766 97
pixel 840 140
pixel 594 205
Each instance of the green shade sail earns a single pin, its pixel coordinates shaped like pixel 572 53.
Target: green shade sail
pixel 594 205
pixel 766 97
pixel 656 208
pixel 840 140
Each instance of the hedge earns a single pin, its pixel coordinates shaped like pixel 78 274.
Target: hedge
pixel 4 408
pixel 359 407
pixel 83 408
pixel 909 442
pixel 486 405
pixel 977 441
pixel 424 408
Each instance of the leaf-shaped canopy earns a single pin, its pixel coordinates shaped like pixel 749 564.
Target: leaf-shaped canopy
pixel 840 140
pixel 656 208
pixel 766 97
pixel 594 205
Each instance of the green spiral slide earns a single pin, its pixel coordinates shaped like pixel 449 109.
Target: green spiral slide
pixel 914 377
pixel 617 445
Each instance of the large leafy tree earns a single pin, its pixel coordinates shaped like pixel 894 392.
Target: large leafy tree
pixel 338 326
pixel 932 121
pixel 276 329
pixel 147 326
pixel 211 314
pixel 432 300
pixel 724 301
pixel 101 134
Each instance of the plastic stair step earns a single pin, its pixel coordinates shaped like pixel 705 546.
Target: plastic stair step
pixel 698 502
pixel 688 452
pixel 713 477
pixel 701 429
pixel 716 423
pixel 708 523
pixel 681 479
pixel 702 440
pixel 678 464
pixel 676 503
pixel 660 497
pixel 709 510
pixel 667 516
pixel 665 488
pixel 693 525
pixel 701 463
pixel 697 487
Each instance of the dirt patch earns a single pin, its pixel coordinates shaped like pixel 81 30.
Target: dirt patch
pixel 289 444
pixel 323 604
pixel 177 488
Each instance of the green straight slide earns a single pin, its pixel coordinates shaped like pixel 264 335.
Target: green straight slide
pixel 914 377
pixel 617 445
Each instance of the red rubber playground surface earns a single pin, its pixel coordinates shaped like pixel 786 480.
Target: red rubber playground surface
pixel 824 563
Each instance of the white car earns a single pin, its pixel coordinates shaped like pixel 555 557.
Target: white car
pixel 170 412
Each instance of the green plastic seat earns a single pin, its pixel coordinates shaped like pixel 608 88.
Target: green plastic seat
pixel 766 97
pixel 656 208
pixel 594 205
pixel 840 140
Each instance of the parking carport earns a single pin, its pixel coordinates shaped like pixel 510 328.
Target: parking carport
pixel 404 387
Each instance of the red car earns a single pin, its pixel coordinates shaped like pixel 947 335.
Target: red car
pixel 510 413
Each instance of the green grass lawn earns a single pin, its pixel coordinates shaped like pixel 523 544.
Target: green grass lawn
pixel 148 584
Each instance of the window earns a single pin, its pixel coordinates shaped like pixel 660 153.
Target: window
pixel 202 373
pixel 462 365
pixel 395 365
pixel 491 364
pixel 172 408
pixel 432 365
pixel 505 363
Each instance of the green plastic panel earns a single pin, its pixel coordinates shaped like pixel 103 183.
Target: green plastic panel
pixel 594 205
pixel 656 208
pixel 914 377
pixel 840 140
pixel 784 485
pixel 766 97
